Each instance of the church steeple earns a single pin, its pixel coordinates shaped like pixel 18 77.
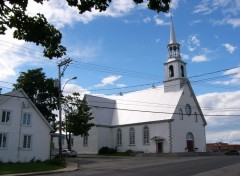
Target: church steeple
pixel 172 34
pixel 175 68
pixel 173 46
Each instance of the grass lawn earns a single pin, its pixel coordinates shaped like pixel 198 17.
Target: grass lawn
pixel 13 168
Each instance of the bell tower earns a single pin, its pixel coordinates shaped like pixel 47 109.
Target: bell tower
pixel 175 68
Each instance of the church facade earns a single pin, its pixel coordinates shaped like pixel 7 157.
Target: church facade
pixel 164 119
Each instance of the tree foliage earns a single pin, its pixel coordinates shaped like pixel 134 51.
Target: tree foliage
pixel 36 29
pixel 41 91
pixel 77 117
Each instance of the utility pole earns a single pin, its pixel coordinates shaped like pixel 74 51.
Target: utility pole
pixel 64 63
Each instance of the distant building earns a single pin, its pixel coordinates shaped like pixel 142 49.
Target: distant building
pixel 222 147
pixel 165 119
pixel 24 132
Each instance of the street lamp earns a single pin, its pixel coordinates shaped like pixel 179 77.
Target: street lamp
pixel 60 112
pixel 68 81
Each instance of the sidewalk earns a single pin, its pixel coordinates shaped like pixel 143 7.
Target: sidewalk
pixel 70 167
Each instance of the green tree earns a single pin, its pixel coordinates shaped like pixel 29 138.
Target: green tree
pixel 36 29
pixel 41 91
pixel 77 117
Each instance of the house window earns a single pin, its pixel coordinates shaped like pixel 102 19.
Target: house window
pixel 171 71
pixel 145 135
pixel 180 114
pixel 26 121
pixel 131 136
pixel 5 117
pixel 27 141
pixel 85 140
pixel 119 136
pixel 196 117
pixel 3 141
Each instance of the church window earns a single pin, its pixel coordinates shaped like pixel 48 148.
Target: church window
pixel 182 71
pixel 131 136
pixel 119 137
pixel 196 117
pixel 145 135
pixel 188 109
pixel 171 72
pixel 180 114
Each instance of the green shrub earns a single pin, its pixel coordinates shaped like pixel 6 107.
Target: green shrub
pixel 107 150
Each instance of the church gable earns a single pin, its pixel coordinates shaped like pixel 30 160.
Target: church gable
pixel 102 109
pixel 188 107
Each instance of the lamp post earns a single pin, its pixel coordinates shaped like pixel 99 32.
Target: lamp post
pixel 64 63
pixel 60 113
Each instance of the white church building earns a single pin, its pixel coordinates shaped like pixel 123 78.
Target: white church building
pixel 164 119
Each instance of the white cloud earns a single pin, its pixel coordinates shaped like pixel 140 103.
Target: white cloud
pixel 193 42
pixel 121 85
pixel 204 8
pixel 235 22
pixel 222 127
pixel 147 20
pixel 225 6
pixel 227 136
pixel 108 80
pixel 185 56
pixel 200 58
pixel 86 52
pixel 71 88
pixel 174 4
pixel 15 53
pixel 159 21
pixel 228 8
pixel 230 48
pixel 235 77
pixel 60 14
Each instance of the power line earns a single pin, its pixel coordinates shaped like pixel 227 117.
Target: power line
pixel 133 110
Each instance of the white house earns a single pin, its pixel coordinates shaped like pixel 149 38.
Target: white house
pixel 165 119
pixel 24 132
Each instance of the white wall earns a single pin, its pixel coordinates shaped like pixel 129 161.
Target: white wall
pixel 40 132
pixel 92 147
pixel 180 128
pixel 156 129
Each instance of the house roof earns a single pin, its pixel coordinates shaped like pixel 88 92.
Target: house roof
pixel 141 106
pixel 14 93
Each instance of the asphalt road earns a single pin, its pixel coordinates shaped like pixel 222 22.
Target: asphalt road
pixel 150 166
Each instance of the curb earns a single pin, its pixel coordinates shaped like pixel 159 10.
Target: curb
pixel 69 168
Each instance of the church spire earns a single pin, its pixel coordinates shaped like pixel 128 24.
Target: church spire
pixel 173 46
pixel 172 34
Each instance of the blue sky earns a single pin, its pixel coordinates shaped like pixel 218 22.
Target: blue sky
pixel 127 46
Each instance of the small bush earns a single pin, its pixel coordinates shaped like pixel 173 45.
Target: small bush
pixel 130 152
pixel 107 150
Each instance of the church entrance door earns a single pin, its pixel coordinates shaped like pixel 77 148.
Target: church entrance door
pixel 190 142
pixel 159 147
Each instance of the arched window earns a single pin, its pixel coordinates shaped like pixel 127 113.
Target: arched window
pixel 182 71
pixel 180 114
pixel 145 135
pixel 171 71
pixel 196 117
pixel 119 136
pixel 131 136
